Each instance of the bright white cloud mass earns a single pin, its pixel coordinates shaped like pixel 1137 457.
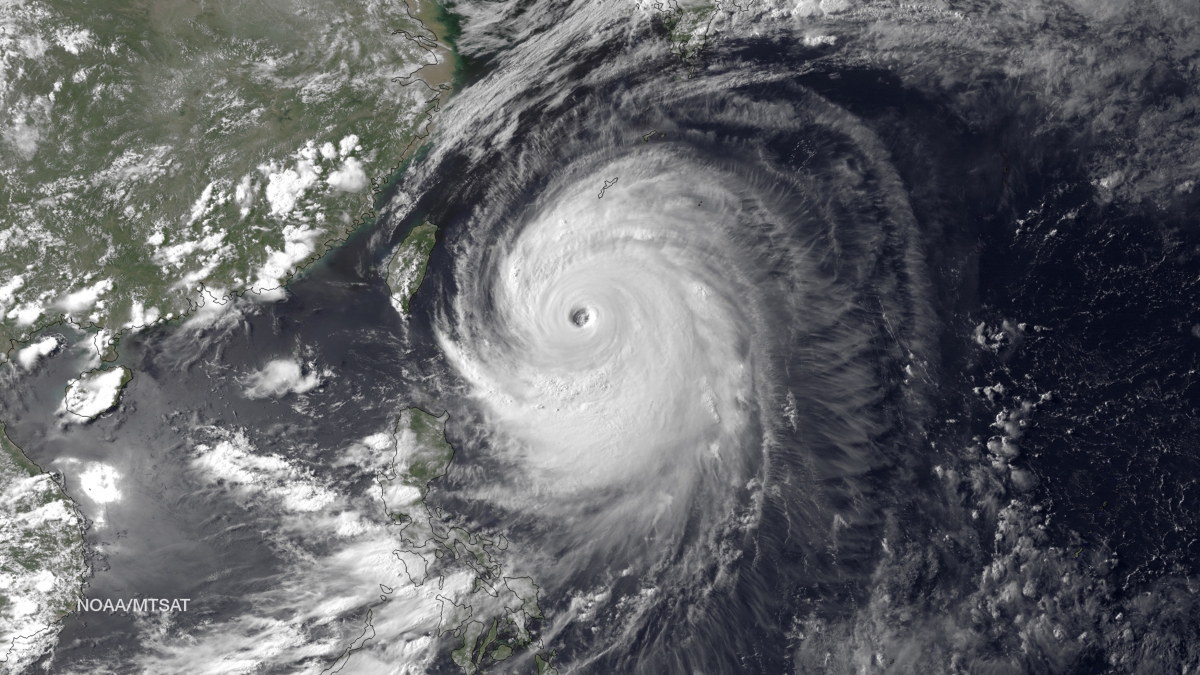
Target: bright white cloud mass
pixel 279 378
pixel 95 393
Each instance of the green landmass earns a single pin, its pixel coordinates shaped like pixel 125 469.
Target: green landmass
pixel 43 560
pixel 152 151
pixel 96 392
pixel 406 268
pixel 686 27
pixel 15 456
pixel 430 452
pixel 499 621
pixel 543 663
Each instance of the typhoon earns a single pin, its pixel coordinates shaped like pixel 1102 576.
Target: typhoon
pixel 703 314
pixel 684 319
pixel 649 315
pixel 697 339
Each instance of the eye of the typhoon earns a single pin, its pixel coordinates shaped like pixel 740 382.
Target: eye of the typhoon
pixel 581 316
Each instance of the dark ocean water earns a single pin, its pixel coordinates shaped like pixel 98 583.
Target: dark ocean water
pixel 1116 450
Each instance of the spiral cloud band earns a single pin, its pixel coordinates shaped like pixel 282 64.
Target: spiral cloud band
pixel 618 348
pixel 670 318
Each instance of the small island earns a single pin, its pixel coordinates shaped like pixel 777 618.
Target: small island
pixel 406 268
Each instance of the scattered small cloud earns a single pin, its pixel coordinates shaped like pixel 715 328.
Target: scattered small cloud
pixel 279 378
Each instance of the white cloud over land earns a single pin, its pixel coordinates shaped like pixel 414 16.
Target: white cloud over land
pixel 95 393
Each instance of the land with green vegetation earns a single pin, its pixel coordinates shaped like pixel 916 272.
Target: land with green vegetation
pixel 405 270
pixel 686 25
pixel 43 561
pixel 497 620
pixel 96 392
pixel 155 153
